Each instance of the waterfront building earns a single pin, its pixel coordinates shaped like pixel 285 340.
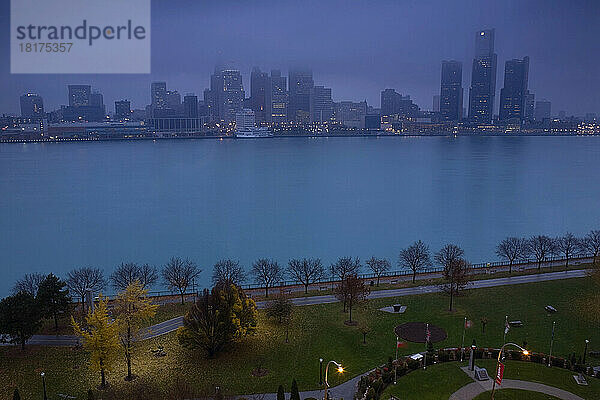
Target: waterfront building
pixel 393 103
pixel 245 119
pixel 529 106
pixel 32 105
pixel 259 82
pixel 351 114
pixel 512 95
pixel 276 98
pixel 190 106
pixel 451 92
pixel 483 78
pixel 543 110
pixel 373 122
pixel 300 89
pixel 158 92
pixel 226 95
pixel 436 103
pixel 122 109
pixel 321 104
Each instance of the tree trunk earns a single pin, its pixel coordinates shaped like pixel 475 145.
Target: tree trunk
pixel 287 331
pixel 55 322
pixel 364 338
pixel 103 384
pixel 182 299
pixel 414 275
pixel 510 267
pixel 539 264
pixel 22 343
pixel 267 291
pixel 451 294
pixel 129 378
pixel 378 280
pixel 566 261
pixel 306 288
pixel 128 353
pixel 350 309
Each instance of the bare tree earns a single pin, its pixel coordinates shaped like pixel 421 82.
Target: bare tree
pixel 591 244
pixel 281 309
pixel 456 277
pixel 353 291
pixel 568 246
pixel 80 280
pixel 307 271
pixel 415 257
pixel 127 273
pixel 541 247
pixel 379 266
pixel 455 272
pixel 512 249
pixel 178 275
pixel 228 272
pixel 344 267
pixel 30 283
pixel 266 273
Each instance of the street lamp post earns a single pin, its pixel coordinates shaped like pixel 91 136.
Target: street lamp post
pixel 396 361
pixel 340 370
pixel 320 371
pixel 44 385
pixel 498 362
pixel 551 345
pixel 585 350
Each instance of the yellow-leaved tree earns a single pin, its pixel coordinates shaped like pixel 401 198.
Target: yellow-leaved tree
pixel 132 308
pixel 100 339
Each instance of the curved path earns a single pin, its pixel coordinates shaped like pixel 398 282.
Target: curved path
pixel 172 324
pixel 474 389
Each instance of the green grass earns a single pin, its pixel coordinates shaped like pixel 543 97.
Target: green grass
pixel 436 382
pixel 319 331
pixel 515 394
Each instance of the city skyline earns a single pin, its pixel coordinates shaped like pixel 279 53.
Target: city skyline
pixel 327 44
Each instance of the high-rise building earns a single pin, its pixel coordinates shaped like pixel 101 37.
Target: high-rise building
pixel 300 88
pixel 451 93
pixel 543 110
pixel 529 105
pixel 190 106
pixel 483 78
pixel 159 95
pixel 79 95
pixel 321 104
pixel 245 119
pixel 351 114
pixel 393 103
pixel 122 109
pixel 226 95
pixel 436 103
pixel 97 100
pixel 259 82
pixel 512 95
pixel 277 98
pixel 32 106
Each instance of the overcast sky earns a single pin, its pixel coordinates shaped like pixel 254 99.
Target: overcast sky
pixel 356 47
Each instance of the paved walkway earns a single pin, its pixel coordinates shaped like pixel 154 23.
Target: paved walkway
pixel 172 324
pixel 474 389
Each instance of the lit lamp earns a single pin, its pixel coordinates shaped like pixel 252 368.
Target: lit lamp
pixel 524 351
pixel 340 370
pixel 43 375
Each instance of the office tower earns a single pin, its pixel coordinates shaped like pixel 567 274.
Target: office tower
pixel 122 109
pixel 190 106
pixel 321 104
pixel 276 98
pixel 483 78
pixel 32 106
pixel 97 100
pixel 529 105
pixel 351 114
pixel 393 103
pixel 244 119
pixel 543 110
pixel 258 94
pixel 512 95
pixel 300 88
pixel 451 93
pixel 436 103
pixel 226 95
pixel 79 95
pixel 158 94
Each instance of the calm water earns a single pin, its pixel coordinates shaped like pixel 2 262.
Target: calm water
pixel 76 204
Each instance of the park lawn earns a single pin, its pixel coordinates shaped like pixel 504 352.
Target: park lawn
pixel 436 382
pixel 557 377
pixel 319 331
pixel 515 394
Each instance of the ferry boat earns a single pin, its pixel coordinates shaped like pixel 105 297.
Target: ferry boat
pixel 249 133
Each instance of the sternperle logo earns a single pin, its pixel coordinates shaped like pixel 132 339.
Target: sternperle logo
pixel 87 32
pixel 80 36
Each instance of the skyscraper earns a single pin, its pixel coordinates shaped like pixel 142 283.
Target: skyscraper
pixel 258 94
pixel 32 106
pixel 301 86
pixel 512 95
pixel 451 93
pixel 158 94
pixel 79 95
pixel 226 94
pixel 122 109
pixel 529 106
pixel 190 106
pixel 321 104
pixel 543 110
pixel 277 98
pixel 483 78
pixel 393 103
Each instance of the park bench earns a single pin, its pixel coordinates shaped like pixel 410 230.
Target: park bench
pixel 323 287
pixel 516 324
pixel 394 281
